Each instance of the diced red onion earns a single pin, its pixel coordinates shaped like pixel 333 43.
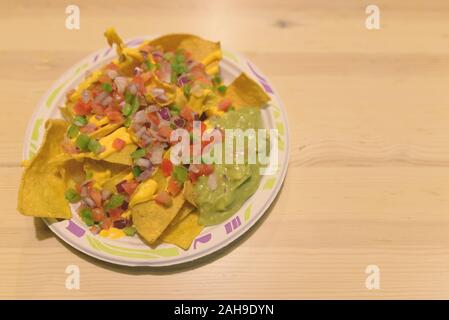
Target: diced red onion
pixel 88 128
pixel 106 101
pixel 212 181
pixel 120 224
pixel 85 96
pixel 158 54
pixel 152 108
pixel 140 117
pixel 137 71
pixel 163 98
pixel 144 175
pixel 179 122
pixel 194 168
pixel 156 155
pixel 101 97
pixel 111 73
pixel 119 187
pixel 140 132
pixel 89 202
pixel 105 194
pixel 132 88
pixel 142 162
pixel 182 80
pixel 157 92
pixel 83 192
pixel 121 84
pixel 165 114
pixel 146 139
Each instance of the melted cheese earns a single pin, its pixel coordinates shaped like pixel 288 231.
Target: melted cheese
pixel 144 192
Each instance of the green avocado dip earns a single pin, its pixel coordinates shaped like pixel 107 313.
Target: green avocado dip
pixel 235 183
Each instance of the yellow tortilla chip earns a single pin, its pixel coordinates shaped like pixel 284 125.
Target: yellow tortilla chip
pixel 123 156
pixel 183 212
pixel 42 188
pixel 116 179
pixel 151 219
pixel 188 192
pixel 183 233
pixel 129 58
pixel 202 50
pixel 245 92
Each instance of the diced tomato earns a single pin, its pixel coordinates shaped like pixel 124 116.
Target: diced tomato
pixel 163 198
pixel 205 169
pixel 146 48
pixel 173 187
pixel 105 79
pixel 165 131
pixel 69 93
pixel 224 104
pixel 118 144
pixel 146 76
pixel 98 214
pixel 187 113
pixel 202 170
pixel 112 66
pixel 115 116
pixel 95 229
pixel 115 214
pixel 82 108
pixel 96 196
pixel 153 118
pixel 166 167
pixel 130 186
pixel 139 82
pixel 106 223
pixel 98 109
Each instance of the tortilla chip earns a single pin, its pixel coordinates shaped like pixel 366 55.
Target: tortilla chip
pixel 183 212
pixel 123 156
pixel 104 130
pixel 116 179
pixel 42 188
pixel 189 193
pixel 183 233
pixel 151 219
pixel 202 50
pixel 245 92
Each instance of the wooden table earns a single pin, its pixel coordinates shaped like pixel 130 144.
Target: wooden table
pixel 368 180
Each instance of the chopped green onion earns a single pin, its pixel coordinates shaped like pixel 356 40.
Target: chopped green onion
pixel 136 171
pixel 222 89
pixel 127 122
pixel 72 131
pixel 139 153
pixel 94 146
pixel 115 201
pixel 128 97
pixel 180 173
pixel 82 142
pixel 80 121
pixel 148 65
pixel 130 231
pixel 127 109
pixel 86 216
pixel 106 87
pixel 217 79
pixel 187 87
pixel 72 196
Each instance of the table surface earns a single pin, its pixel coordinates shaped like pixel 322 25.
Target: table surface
pixel 368 178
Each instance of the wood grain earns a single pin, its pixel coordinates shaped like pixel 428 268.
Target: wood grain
pixel 368 180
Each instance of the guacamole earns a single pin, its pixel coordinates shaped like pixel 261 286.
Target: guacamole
pixel 235 183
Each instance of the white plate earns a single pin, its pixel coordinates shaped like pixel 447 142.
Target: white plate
pixel 131 251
